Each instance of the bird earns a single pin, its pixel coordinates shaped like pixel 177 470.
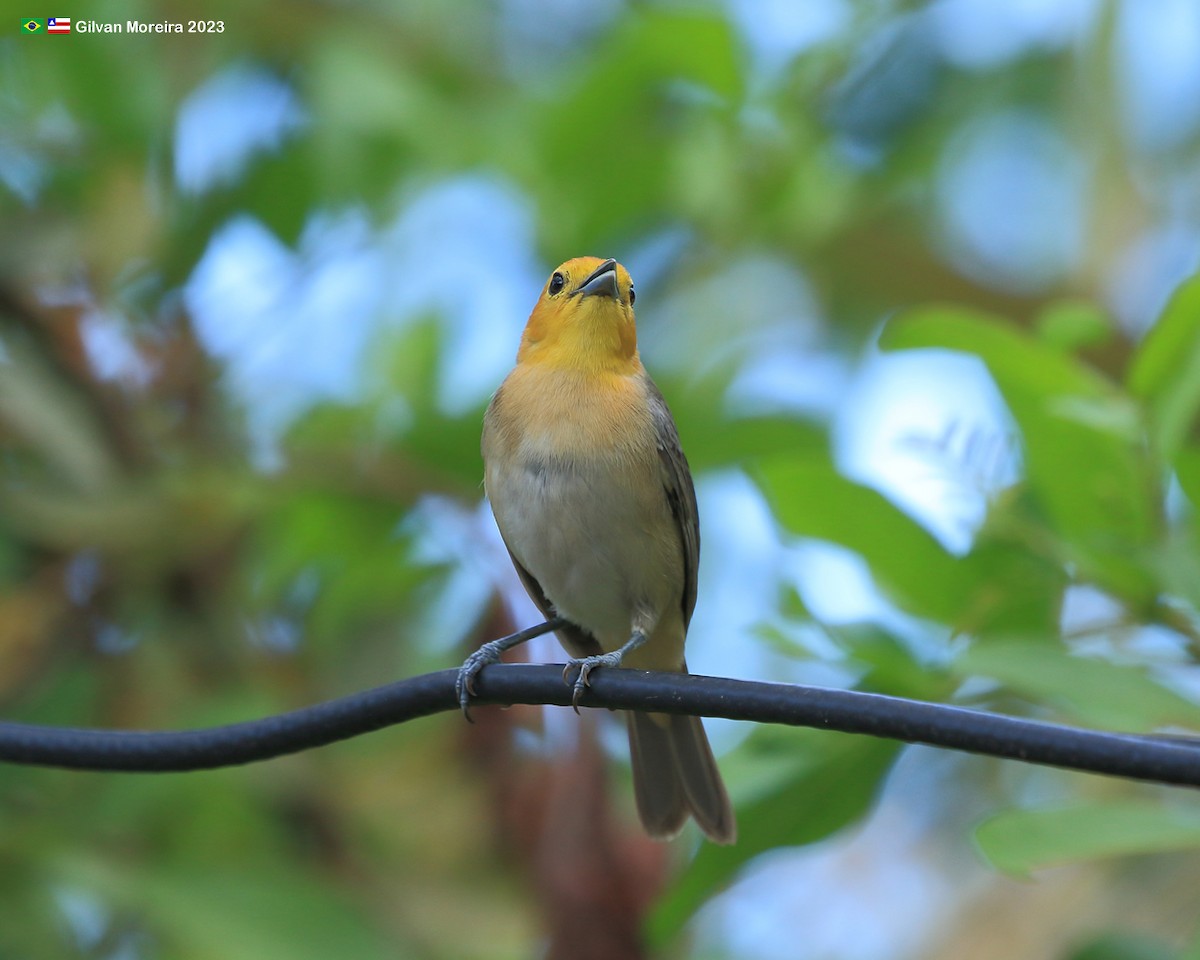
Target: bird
pixel 594 500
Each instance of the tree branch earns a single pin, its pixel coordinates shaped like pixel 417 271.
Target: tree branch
pixel 1159 759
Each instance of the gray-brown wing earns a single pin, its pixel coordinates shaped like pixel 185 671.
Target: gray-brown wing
pixel 575 640
pixel 681 495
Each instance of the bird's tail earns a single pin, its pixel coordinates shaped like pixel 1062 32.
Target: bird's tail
pixel 674 775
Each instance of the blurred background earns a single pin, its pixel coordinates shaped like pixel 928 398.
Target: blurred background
pixel 913 277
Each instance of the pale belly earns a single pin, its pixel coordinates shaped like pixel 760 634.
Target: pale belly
pixel 605 552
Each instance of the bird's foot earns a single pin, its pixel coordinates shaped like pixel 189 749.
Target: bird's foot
pixel 464 683
pixel 587 664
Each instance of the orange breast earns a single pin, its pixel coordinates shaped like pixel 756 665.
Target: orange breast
pixel 570 415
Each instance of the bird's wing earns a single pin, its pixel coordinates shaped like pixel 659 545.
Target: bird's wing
pixel 681 495
pixel 575 640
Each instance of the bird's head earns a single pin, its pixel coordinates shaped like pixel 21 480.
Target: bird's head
pixel 583 319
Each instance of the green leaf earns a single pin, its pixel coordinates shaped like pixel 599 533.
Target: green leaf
pixel 819 782
pixel 1126 946
pixel 1069 325
pixel 1165 372
pixel 1019 589
pixel 1021 841
pixel 653 73
pixel 1187 470
pixel 348 545
pixel 1096 692
pixel 30 926
pixel 235 914
pixel 427 450
pixel 810 498
pixel 1084 457
pixel 1179 573
pixel 891 665
pixel 719 441
pixel 1028 367
pixel 1192 951
pixel 711 437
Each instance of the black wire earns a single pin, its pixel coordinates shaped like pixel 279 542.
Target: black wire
pixel 179 751
pixel 176 751
pixel 1158 759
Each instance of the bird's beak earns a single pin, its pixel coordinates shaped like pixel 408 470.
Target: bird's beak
pixel 601 282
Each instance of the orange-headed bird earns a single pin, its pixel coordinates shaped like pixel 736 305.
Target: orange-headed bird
pixel 594 499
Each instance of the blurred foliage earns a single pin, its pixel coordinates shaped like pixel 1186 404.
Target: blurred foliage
pixel 163 566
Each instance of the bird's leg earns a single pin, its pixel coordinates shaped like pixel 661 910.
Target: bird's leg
pixel 587 664
pixel 464 684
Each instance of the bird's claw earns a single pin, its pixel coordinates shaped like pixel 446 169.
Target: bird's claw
pixel 586 665
pixel 464 683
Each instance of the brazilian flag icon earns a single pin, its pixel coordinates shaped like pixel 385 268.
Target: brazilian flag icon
pixel 33 26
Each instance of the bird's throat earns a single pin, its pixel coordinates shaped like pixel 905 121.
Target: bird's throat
pixel 590 342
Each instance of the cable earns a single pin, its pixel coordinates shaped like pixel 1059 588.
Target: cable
pixel 1159 759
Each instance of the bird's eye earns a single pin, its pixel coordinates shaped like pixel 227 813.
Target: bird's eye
pixel 556 283
pixel 632 296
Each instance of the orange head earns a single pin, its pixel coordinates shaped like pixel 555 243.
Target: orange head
pixel 584 319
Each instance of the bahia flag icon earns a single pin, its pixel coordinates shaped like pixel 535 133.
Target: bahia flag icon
pixel 33 26
pixel 58 25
